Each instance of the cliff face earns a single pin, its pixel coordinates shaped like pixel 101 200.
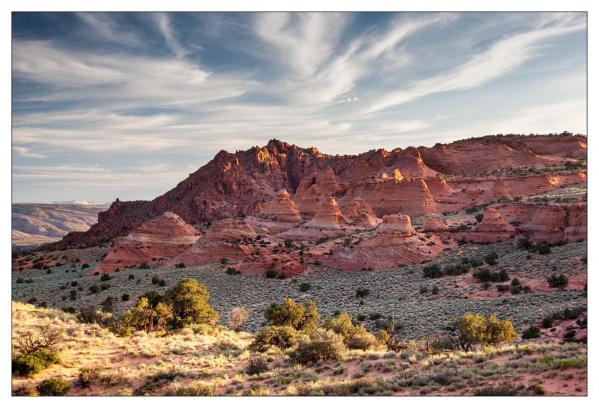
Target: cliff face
pixel 408 180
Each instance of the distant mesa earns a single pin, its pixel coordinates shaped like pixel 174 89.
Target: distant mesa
pixel 78 202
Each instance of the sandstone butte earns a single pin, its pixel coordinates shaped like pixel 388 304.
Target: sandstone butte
pixel 536 222
pixel 227 239
pixel 393 243
pixel 281 192
pixel 155 241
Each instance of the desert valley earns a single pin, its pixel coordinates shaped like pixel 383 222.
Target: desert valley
pixel 456 269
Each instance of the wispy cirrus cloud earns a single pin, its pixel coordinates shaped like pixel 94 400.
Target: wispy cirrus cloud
pixel 165 27
pixel 26 152
pixel 106 28
pixel 501 58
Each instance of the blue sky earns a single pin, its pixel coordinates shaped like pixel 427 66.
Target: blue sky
pixel 126 105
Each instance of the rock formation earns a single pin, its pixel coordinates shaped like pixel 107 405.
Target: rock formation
pixel 359 212
pixel 283 265
pixel 492 228
pixel 549 223
pixel 281 208
pixel 328 214
pixel 227 239
pixel 312 187
pixel 155 241
pixel 435 225
pixel 393 244
pixel 414 181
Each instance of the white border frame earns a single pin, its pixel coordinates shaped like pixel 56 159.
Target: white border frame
pixel 8 6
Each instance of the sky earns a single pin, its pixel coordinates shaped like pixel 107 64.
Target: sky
pixel 126 105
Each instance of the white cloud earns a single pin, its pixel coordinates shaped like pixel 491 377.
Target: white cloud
pixel 502 58
pixel 122 81
pixel 303 41
pixel 165 27
pixel 105 27
pixel 95 175
pixel 25 152
pixel 321 67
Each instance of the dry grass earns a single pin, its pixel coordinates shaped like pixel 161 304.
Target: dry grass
pixel 185 363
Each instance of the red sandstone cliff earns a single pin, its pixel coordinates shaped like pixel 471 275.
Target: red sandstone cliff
pixel 402 180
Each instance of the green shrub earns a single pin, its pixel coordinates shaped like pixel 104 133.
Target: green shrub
pixel 197 389
pixel 323 345
pixel 53 387
pixel 341 324
pixel 558 281
pixel 232 271
pixel 237 318
pixel 283 337
pixel 270 274
pixel 108 304
pixel 485 275
pixel 442 344
pixel 497 391
pixel 480 329
pixel 303 317
pixel 34 353
pixel 105 277
pixel 547 322
pixel 189 302
pixel 532 332
pixel 354 336
pixel 144 316
pixel 125 297
pixel 362 340
pixel 362 292
pixel 25 390
pixel 304 287
pixel 27 365
pixel 491 258
pixel 256 365
pixel 432 271
pixel 544 249
pixel 91 314
pixel 87 376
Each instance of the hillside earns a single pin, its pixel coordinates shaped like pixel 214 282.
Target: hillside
pixel 36 224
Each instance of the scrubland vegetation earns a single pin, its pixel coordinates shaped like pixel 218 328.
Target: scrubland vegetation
pixel 498 319
pixel 298 353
